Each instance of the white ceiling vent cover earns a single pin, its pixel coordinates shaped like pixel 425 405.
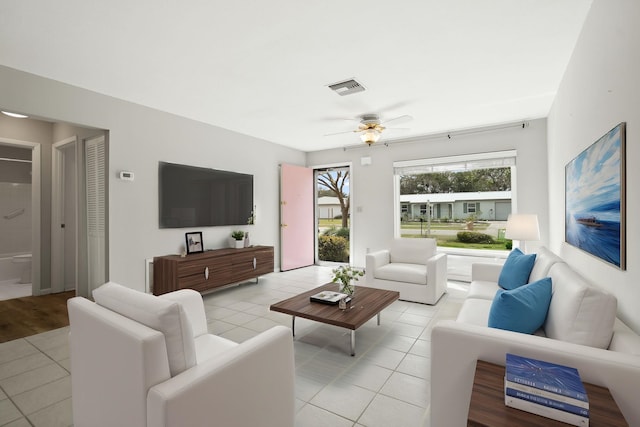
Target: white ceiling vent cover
pixel 346 87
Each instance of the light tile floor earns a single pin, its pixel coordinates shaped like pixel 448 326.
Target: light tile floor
pixel 385 384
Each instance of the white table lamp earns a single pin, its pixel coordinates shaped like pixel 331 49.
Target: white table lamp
pixel 522 227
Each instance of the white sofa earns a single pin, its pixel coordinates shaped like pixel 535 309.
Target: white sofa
pixel 411 267
pixel 580 330
pixel 164 369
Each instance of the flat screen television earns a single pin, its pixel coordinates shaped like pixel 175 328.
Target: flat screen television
pixel 190 196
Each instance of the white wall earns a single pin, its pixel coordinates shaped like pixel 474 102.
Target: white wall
pixel 372 206
pixel 140 137
pixel 600 89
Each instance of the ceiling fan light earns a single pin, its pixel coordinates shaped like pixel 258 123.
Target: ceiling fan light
pixel 370 136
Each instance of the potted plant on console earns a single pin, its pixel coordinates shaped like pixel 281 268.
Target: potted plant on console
pixel 238 236
pixel 346 276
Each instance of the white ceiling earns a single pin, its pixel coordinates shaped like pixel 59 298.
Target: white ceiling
pixel 262 68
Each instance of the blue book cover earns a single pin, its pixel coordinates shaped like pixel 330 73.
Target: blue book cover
pixel 547 394
pixel 541 400
pixel 547 376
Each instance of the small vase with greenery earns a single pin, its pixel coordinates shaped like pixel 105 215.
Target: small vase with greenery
pixel 346 276
pixel 238 236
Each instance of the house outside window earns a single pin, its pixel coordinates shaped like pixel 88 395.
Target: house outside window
pixel 470 208
pixel 458 193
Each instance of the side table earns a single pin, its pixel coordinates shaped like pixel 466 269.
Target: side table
pixel 487 406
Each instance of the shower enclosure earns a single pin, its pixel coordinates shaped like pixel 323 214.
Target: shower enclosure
pixel 15 221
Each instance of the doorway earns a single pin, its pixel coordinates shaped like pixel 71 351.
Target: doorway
pixel 19 193
pixel 333 214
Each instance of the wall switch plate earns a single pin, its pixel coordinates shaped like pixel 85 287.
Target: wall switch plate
pixel 127 176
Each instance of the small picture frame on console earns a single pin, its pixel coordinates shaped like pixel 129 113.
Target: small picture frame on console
pixel 194 242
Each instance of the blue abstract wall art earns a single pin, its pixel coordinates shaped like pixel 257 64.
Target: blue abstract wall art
pixel 595 198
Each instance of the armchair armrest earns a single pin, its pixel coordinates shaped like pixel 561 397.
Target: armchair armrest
pixel 437 275
pixel 373 261
pixel 486 272
pixel 251 384
pixel 193 306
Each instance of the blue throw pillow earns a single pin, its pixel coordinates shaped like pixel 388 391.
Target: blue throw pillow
pixel 523 309
pixel 516 269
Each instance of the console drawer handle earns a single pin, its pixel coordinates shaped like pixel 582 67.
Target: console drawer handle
pixel 206 273
pixel 254 263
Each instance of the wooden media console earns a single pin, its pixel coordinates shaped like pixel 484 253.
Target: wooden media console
pixel 210 269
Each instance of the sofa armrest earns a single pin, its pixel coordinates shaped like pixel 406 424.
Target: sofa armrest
pixel 373 261
pixel 456 346
pixel 251 384
pixel 193 306
pixel 486 272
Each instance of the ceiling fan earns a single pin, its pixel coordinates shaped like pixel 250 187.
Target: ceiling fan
pixel 371 127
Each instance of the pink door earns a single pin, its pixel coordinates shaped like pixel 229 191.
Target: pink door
pixel 296 217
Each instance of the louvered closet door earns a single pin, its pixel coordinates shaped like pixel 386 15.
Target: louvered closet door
pixel 95 158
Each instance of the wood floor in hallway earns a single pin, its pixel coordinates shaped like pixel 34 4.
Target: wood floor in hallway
pixel 22 317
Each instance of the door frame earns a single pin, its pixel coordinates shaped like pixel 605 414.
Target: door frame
pixel 58 255
pixel 316 168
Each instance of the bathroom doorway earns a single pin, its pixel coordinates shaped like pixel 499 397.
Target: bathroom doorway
pixel 16 218
pixel 66 260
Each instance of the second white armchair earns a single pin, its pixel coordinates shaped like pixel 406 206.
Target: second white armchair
pixel 410 266
pixel 139 360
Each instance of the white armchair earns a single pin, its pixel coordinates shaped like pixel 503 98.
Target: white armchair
pixel 142 360
pixel 411 267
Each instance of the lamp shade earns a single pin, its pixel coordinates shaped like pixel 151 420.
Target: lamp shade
pixel 522 227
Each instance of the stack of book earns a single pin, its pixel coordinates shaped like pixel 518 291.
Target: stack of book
pixel 546 389
pixel 327 297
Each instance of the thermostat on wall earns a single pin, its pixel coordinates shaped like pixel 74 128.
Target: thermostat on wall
pixel 127 176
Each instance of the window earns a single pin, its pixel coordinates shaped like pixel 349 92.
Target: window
pixel 470 208
pixel 470 192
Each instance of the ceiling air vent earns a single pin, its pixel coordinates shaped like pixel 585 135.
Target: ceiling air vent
pixel 346 87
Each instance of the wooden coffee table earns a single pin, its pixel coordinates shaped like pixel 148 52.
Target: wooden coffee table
pixel 366 303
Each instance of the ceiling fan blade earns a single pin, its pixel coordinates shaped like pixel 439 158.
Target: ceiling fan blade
pixel 393 130
pixel 401 105
pixel 341 133
pixel 346 119
pixel 398 120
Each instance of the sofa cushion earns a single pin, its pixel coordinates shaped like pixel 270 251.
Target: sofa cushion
pixel 624 340
pixel 401 272
pixel 579 312
pixel 522 309
pixel 162 315
pixel 474 311
pixel 544 260
pixel 516 269
pixel 412 251
pixel 209 346
pixel 482 289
